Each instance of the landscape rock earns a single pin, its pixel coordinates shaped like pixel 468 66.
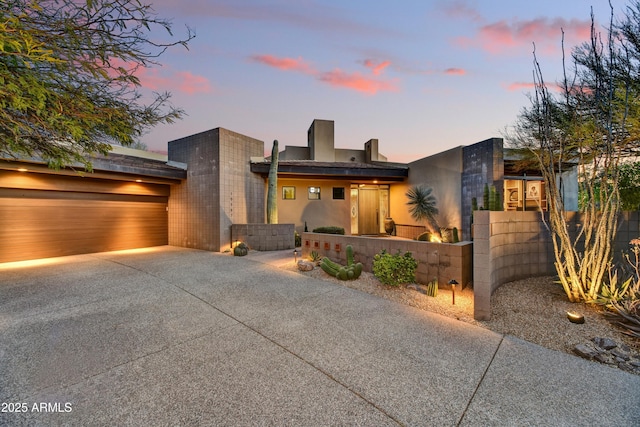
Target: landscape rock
pixel 605 343
pixel 609 352
pixel 585 351
pixel 304 265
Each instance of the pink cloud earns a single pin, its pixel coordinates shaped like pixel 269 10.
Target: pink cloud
pixel 336 78
pixel 153 79
pixel 509 36
pixel 455 71
pixel 180 81
pixel 286 64
pixel 192 84
pixel 376 67
pixel 356 81
pixel 512 87
pixel 529 86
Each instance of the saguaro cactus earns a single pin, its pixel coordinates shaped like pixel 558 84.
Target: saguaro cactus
pixel 272 191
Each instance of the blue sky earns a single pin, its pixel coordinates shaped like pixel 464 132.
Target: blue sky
pixel 420 76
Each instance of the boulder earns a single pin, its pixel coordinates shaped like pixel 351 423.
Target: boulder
pixel 304 265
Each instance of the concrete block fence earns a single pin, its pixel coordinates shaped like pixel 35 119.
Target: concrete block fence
pixel 264 237
pixel 509 246
pixel 445 261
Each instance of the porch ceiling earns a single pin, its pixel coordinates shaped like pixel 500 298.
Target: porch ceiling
pixel 335 170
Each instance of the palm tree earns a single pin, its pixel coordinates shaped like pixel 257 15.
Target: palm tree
pixel 422 205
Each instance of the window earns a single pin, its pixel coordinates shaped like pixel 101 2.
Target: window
pixel 338 193
pixel 288 193
pixel 314 193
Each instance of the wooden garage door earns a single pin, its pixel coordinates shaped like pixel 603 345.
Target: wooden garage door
pixel 41 224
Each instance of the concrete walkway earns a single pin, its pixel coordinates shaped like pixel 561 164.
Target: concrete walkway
pixel 171 336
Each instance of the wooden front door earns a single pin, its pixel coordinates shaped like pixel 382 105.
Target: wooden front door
pixel 368 220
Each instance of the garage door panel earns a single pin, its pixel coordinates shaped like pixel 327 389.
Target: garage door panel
pixel 36 228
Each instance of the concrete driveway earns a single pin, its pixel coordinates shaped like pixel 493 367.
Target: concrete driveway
pixel 172 336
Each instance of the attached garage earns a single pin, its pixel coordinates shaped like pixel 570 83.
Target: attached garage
pixel 121 205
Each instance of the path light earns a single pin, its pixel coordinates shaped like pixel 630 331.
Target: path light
pixel 295 255
pixel 575 317
pixel 453 284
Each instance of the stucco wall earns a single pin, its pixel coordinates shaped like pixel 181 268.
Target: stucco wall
pixel 316 213
pixel 442 173
pixel 320 139
pixel 442 260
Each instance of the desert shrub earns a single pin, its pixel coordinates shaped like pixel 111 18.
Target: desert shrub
pixel 297 239
pixel 395 269
pixel 331 229
pixel 622 297
pixel 315 257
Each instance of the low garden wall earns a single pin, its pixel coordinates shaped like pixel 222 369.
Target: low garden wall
pixel 445 261
pixel 510 246
pixel 264 237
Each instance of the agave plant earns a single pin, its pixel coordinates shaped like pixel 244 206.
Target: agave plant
pixel 422 205
pixel 623 299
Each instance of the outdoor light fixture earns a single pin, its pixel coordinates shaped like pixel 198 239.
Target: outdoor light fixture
pixel 453 284
pixel 295 255
pixel 575 317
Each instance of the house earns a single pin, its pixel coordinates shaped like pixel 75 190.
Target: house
pixel 214 180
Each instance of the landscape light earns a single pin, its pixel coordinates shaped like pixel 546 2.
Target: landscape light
pixel 453 284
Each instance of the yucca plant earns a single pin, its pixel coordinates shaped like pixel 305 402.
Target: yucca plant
pixel 422 205
pixel 627 315
pixel 622 300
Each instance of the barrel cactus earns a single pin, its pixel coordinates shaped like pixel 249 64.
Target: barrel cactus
pixel 241 249
pixel 349 272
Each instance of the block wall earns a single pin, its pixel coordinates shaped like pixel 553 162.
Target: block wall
pixel 509 246
pixel 483 163
pixel 194 214
pixel 220 189
pixel 241 192
pixel 264 237
pixel 445 261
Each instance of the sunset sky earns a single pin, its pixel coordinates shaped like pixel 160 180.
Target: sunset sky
pixel 421 76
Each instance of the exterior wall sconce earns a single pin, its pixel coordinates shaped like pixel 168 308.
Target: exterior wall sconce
pixel 338 249
pixel 453 284
pixel 327 246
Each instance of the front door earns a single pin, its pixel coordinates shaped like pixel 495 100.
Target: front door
pixel 368 218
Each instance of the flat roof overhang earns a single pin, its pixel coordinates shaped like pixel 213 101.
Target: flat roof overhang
pixel 114 167
pixel 338 171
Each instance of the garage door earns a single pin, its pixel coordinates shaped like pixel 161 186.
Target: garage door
pixel 67 215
